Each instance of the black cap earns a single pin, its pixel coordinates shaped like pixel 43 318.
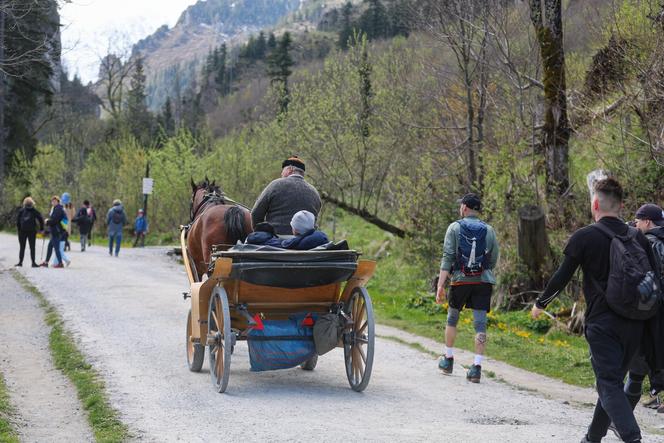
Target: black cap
pixel 651 212
pixel 293 161
pixel 472 201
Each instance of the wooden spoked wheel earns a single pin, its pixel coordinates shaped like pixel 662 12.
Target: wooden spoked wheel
pixel 359 339
pixel 219 339
pixel 195 351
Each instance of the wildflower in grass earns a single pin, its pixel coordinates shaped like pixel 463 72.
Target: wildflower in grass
pixel 502 326
pixel 466 321
pixel 540 340
pixel 561 343
pixel 522 334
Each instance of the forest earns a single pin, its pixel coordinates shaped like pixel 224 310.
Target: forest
pixel 398 107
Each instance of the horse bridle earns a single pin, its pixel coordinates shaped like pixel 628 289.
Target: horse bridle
pixel 209 197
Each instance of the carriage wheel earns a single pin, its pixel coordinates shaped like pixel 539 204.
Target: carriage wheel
pixel 219 339
pixel 195 351
pixel 359 339
pixel 310 364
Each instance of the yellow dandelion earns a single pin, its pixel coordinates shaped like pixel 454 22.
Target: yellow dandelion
pixel 523 334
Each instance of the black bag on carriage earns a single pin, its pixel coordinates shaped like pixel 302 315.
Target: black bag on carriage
pixel 281 344
pixel 328 331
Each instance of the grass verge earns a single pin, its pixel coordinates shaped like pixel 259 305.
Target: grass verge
pixel 103 419
pixel 7 432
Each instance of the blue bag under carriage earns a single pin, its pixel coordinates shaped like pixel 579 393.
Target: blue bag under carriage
pixel 281 344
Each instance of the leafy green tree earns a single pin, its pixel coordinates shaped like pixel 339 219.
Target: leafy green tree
pixel 166 118
pixel 279 70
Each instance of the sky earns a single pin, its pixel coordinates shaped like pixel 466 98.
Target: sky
pixel 90 27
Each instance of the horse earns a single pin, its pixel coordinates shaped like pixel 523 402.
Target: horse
pixel 212 222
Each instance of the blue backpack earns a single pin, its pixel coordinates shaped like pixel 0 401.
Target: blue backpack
pixel 471 250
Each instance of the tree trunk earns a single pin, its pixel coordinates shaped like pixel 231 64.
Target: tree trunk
pixel 546 16
pixel 367 216
pixel 533 243
pixel 3 98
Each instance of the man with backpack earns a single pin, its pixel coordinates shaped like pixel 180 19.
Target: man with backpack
pixel 621 292
pixel 115 219
pixel 470 253
pixel 84 221
pixel 650 221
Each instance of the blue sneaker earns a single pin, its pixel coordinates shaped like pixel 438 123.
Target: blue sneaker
pixel 474 374
pixel 446 365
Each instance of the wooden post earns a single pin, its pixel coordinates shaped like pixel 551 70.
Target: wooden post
pixel 533 243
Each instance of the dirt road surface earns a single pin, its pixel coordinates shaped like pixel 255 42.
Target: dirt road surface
pixel 129 317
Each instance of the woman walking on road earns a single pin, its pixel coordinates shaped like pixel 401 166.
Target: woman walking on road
pixel 26 225
pixel 54 222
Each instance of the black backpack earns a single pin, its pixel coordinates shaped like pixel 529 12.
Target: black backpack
pixel 28 221
pixel 633 289
pixel 116 217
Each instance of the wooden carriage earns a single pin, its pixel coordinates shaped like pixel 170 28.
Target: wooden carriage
pixel 274 285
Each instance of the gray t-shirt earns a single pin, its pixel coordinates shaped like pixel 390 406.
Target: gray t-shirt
pixel 281 199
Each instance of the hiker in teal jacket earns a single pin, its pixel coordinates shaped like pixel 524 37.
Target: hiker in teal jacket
pixel 470 255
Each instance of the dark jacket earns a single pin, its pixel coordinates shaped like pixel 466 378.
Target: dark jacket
pixel 281 199
pixel 31 213
pixel 83 220
pixel 306 241
pixel 55 219
pixel 263 239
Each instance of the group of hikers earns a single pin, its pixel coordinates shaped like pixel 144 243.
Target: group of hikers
pixel 622 264
pixel 58 226
pixel 623 276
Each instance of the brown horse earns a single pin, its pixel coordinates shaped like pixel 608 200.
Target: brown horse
pixel 213 222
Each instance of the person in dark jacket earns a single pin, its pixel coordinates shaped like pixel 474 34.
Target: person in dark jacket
pixel 264 235
pixel 54 223
pixel 306 235
pixel 115 219
pixel 613 340
pixel 84 222
pixel 283 197
pixel 26 224
pixel 649 220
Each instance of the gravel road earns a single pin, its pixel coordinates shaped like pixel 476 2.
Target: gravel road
pixel 129 316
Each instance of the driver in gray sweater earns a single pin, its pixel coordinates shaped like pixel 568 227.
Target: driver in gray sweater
pixel 285 196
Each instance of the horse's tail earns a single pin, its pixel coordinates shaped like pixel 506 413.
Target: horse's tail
pixel 234 221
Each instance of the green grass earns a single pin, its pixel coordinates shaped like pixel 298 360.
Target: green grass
pixel 399 291
pixel 7 432
pixel 103 419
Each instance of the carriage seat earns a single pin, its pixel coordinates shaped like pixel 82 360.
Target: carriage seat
pixel 270 266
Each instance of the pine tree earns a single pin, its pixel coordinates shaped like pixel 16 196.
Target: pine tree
pixel 346 26
pixel 261 46
pixel 220 76
pixel 397 13
pixel 374 21
pixel 279 70
pixel 166 118
pixel 138 115
pixel 271 41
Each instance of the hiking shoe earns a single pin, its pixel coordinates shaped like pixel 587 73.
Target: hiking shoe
pixel 35 265
pixel 68 262
pixel 652 402
pixel 44 265
pixel 474 374
pixel 586 440
pixel 446 365
pixel 59 265
pixel 18 265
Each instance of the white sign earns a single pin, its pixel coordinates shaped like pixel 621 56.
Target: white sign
pixel 148 184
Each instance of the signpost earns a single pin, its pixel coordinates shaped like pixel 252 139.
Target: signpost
pixel 148 184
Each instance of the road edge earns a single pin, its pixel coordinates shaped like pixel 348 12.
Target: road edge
pixel 68 359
